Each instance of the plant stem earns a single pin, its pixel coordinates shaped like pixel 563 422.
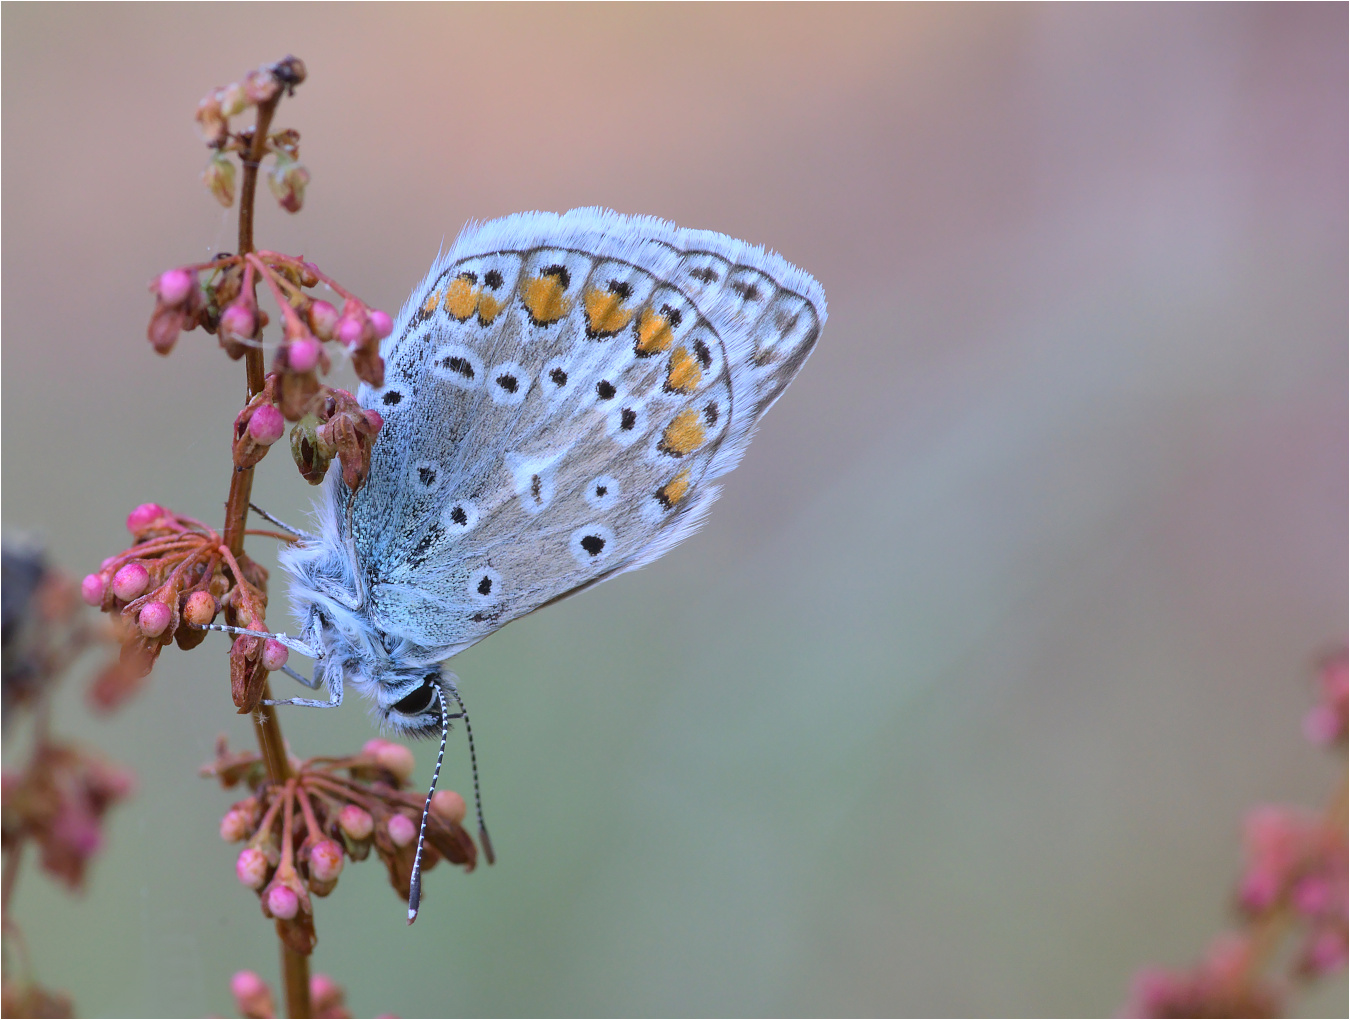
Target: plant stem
pixel 294 966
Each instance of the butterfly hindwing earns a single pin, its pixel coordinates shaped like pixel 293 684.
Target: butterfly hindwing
pixel 559 394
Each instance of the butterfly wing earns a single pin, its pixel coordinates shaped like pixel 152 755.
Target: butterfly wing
pixel 560 393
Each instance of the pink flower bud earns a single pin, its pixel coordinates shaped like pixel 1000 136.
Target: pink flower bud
pixel 449 805
pixel 235 825
pixel 266 425
pixel 130 582
pixel 356 822
pixel 282 903
pixel 381 323
pixel 302 355
pixel 375 419
pixel 327 996
pixel 238 322
pixel 200 608
pixel 402 830
pixel 92 588
pixel 166 325
pixel 251 994
pixel 325 860
pixel 349 331
pixel 394 757
pixel 144 515
pixel 274 654
pixel 154 617
pixel 323 319
pixel 251 867
pixel 174 286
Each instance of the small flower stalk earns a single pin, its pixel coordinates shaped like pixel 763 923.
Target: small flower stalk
pixel 298 835
pixel 1292 898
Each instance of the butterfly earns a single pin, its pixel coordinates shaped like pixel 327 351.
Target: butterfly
pixel 561 394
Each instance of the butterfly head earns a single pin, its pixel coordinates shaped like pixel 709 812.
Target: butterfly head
pixel 410 703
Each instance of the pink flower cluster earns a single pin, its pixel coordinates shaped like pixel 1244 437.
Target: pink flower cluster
pixel 1326 722
pixel 253 997
pixel 1221 985
pixel 59 801
pixel 175 578
pixel 298 834
pixel 225 303
pixel 1297 859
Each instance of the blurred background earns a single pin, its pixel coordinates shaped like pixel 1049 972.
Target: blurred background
pixel 1006 619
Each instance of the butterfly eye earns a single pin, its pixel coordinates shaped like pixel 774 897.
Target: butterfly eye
pixel 418 701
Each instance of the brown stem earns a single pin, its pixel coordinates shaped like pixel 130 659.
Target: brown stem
pixel 294 966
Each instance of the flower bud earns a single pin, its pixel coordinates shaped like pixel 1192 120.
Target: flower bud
pixel 381 323
pixel 92 589
pixel 374 419
pixel 200 608
pixel 274 655
pixel 266 425
pixel 449 805
pixel 174 286
pixel 130 582
pixel 237 322
pixel 349 330
pixel 282 902
pixel 356 822
pixel 252 995
pixel 165 326
pixel 323 319
pixel 302 355
pixel 236 825
pixel 154 618
pixel 143 516
pixel 327 996
pixel 219 178
pixel 402 829
pixel 251 867
pixel 325 860
pixel 394 757
pixel 309 454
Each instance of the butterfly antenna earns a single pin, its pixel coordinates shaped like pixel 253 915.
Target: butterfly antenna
pixel 483 836
pixel 415 886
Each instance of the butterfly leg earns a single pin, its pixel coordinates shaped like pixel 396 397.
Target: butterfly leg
pixel 333 677
pixel 280 524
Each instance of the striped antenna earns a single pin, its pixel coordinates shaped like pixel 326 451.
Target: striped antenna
pixel 415 886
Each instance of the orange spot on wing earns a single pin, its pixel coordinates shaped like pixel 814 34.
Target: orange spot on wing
pixel 488 307
pixel 433 299
pixel 684 372
pixel 653 331
pixel 460 298
pixel 673 491
pixel 683 435
pixel 544 300
pixel 605 313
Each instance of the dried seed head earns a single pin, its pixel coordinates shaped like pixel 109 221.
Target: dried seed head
pixel 219 178
pixel 287 180
pixel 211 123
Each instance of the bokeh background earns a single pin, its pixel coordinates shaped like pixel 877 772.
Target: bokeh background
pixel 956 704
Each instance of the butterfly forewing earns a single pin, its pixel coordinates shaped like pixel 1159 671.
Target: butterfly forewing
pixel 559 394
